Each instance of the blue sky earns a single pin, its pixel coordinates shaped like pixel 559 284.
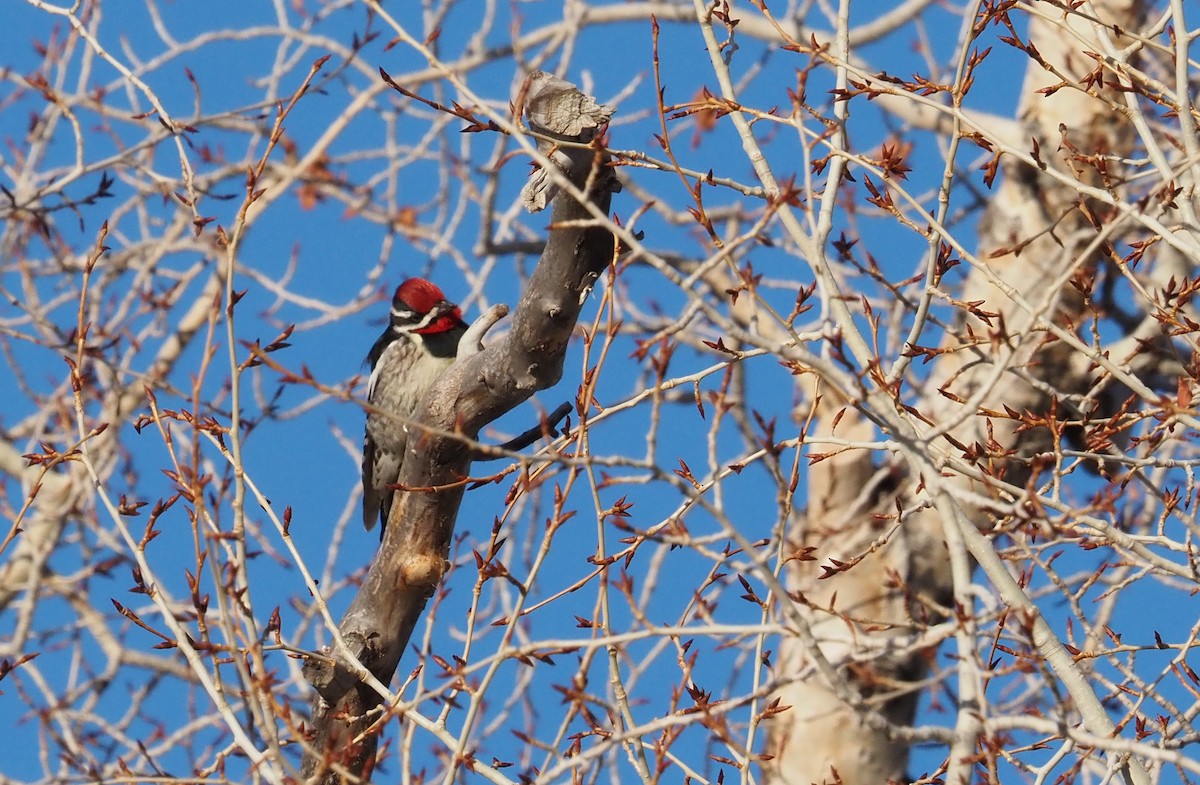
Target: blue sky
pixel 304 455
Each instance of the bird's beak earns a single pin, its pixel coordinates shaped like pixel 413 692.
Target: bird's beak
pixel 447 308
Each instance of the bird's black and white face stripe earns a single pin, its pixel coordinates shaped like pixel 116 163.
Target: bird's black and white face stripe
pixel 405 319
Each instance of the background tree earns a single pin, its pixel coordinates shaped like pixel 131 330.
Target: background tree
pixel 881 460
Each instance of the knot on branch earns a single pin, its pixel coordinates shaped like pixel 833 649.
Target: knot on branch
pixel 330 675
pixel 421 572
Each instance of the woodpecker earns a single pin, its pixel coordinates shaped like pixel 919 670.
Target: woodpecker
pixel 420 341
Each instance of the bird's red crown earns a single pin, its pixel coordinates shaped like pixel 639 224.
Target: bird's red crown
pixel 422 296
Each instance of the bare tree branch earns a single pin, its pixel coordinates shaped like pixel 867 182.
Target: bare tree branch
pixel 471 394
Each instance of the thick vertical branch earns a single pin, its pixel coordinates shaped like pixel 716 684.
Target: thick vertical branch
pixel 1035 234
pixel 471 394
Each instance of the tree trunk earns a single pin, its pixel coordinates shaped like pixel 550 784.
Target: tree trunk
pixel 877 583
